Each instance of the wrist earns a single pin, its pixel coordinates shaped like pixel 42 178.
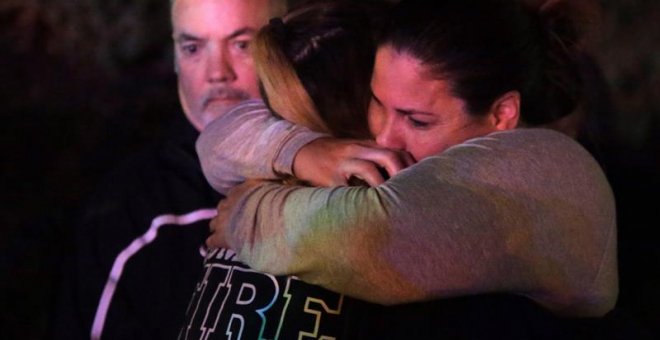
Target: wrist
pixel 306 160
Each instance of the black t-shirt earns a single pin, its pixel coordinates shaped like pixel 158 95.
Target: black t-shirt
pixel 233 301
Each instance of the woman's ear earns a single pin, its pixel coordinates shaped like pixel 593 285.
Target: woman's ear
pixel 505 111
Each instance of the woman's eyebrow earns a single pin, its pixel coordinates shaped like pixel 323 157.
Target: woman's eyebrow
pixel 408 112
pixel 403 111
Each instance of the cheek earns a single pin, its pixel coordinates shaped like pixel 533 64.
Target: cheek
pixel 187 83
pixel 374 119
pixel 244 66
pixel 189 73
pixel 191 89
pixel 246 77
pixel 423 145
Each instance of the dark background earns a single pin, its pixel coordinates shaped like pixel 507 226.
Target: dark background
pixel 84 83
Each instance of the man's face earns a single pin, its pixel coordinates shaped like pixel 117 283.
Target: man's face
pixel 413 112
pixel 212 58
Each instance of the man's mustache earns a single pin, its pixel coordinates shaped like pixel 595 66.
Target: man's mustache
pixel 224 93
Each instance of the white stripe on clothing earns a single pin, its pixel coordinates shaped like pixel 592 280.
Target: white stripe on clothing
pixel 128 252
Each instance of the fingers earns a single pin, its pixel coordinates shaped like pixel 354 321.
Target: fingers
pixel 392 161
pixel 217 226
pixel 361 169
pixel 332 162
pixel 217 237
pixel 407 158
pixel 220 222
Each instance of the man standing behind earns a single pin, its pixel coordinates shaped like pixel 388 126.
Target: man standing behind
pixel 139 237
pixel 213 62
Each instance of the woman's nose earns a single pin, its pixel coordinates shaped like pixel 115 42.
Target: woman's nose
pixel 389 135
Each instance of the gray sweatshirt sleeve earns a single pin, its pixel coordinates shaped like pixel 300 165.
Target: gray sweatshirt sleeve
pixel 525 211
pixel 249 142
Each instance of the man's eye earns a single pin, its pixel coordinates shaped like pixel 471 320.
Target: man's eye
pixel 242 44
pixel 189 49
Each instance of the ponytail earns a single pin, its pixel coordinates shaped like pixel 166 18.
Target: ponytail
pixel 315 66
pixel 284 92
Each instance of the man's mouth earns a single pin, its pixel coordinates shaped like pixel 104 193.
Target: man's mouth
pixel 224 97
pixel 220 100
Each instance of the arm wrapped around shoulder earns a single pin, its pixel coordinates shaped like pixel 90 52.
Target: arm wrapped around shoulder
pixel 249 142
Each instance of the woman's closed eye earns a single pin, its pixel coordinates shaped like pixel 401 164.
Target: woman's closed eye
pixel 417 123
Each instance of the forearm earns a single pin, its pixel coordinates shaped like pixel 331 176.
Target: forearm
pixel 324 243
pixel 369 243
pixel 249 142
pixel 347 240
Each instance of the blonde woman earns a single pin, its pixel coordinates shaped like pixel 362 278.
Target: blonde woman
pixel 315 66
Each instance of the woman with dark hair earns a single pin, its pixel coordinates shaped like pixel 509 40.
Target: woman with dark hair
pixel 494 204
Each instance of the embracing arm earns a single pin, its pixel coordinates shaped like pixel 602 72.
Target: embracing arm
pixel 249 142
pixel 464 222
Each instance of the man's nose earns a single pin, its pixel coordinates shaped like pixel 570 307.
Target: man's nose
pixel 219 67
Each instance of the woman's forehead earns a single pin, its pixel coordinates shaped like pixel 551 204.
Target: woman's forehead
pixel 402 80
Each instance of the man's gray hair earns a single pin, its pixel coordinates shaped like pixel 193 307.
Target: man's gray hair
pixel 277 7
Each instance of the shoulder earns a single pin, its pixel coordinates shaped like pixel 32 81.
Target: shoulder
pixel 524 145
pixel 537 136
pixel 551 149
pixel 526 139
pixel 536 159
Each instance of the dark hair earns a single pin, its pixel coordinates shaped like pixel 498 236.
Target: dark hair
pixel 485 48
pixel 330 48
